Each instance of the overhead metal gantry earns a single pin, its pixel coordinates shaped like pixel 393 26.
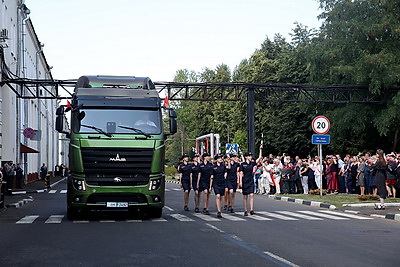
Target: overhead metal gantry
pixel 266 92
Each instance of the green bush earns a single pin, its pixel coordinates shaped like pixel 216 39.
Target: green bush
pixel 170 172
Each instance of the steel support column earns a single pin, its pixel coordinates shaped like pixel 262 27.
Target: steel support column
pixel 250 120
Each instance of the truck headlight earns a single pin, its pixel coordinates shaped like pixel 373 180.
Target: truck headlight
pixel 154 184
pixel 79 185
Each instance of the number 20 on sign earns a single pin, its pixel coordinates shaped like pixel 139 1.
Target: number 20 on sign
pixel 321 125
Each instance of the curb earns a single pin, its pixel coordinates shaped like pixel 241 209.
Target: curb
pixel 172 182
pixel 20 203
pixel 389 216
pixel 304 202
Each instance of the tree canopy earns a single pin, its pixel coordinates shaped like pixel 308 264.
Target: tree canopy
pixel 357 44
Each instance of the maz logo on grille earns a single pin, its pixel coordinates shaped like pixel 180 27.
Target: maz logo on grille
pixel 117 158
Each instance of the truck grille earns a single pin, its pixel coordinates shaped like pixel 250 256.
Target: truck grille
pixel 117 167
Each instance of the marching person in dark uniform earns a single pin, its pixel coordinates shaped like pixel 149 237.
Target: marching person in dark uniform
pixel 247 182
pixel 206 169
pixel 195 181
pixel 232 179
pixel 185 170
pixel 218 182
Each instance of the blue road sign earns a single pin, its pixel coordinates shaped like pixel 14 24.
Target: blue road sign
pixel 321 139
pixel 232 148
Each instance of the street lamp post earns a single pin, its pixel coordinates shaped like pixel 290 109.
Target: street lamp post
pixel 227 126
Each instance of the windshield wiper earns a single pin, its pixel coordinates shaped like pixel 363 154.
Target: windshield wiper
pixel 99 130
pixel 135 130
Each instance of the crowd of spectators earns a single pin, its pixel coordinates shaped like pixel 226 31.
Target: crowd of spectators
pixel 350 174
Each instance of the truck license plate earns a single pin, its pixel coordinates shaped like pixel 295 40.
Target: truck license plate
pixel 117 204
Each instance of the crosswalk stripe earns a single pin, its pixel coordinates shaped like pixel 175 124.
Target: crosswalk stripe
pixel 300 216
pixel 181 217
pixel 278 216
pixel 232 218
pixel 207 218
pixel 63 191
pixel 158 220
pixel 346 215
pixel 52 191
pixel 54 219
pixel 28 219
pixel 323 215
pixel 259 218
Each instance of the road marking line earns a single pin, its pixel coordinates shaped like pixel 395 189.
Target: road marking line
pixel 281 259
pixel 169 208
pixel 215 228
pixel 159 220
pixel 52 191
pixel 134 221
pixel 81 221
pixel 259 218
pixel 167 190
pixel 181 217
pixel 346 215
pixel 54 219
pixel 301 216
pixel 176 189
pixel 28 219
pixel 232 218
pixel 107 221
pixel 278 216
pixel 323 215
pixel 63 191
pixel 207 218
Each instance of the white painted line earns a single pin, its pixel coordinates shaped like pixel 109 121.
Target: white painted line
pixel 52 191
pixel 169 208
pixel 378 216
pixel 277 216
pixel 346 215
pixel 207 218
pixel 302 216
pixel 215 228
pixel 232 218
pixel 54 219
pixel 167 190
pixel 134 221
pixel 63 191
pixel 284 261
pixel 159 220
pixel 181 217
pixel 18 193
pixel 107 221
pixel 259 218
pixel 352 211
pixel 176 189
pixel 323 215
pixel 28 219
pixel 81 221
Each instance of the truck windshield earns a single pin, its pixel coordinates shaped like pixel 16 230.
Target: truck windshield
pixel 109 120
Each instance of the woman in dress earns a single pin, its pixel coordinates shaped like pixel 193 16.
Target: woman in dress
pixel 232 180
pixel 218 182
pixel 379 168
pixel 360 175
pixel 247 182
pixel 185 170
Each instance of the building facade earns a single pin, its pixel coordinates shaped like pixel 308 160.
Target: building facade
pixel 22 57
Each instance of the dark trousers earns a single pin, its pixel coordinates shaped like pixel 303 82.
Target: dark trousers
pixel 299 187
pixel 10 181
pixel 19 181
pixel 349 183
pixel 342 184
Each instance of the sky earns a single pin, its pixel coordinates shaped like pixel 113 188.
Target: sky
pixel 155 38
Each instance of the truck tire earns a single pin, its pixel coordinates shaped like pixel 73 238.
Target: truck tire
pixel 155 212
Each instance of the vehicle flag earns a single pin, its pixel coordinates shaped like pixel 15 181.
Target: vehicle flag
pixel 166 102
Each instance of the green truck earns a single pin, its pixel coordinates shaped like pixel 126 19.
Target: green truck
pixel 117 145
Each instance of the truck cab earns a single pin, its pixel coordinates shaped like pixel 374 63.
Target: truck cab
pixel 117 145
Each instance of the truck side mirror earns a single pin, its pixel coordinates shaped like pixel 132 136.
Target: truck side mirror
pixel 60 110
pixel 172 113
pixel 172 125
pixel 60 123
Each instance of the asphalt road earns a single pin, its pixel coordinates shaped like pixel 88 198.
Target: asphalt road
pixel 281 234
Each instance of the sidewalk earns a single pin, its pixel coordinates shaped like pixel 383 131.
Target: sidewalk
pixel 20 197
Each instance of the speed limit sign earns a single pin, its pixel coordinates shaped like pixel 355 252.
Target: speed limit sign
pixel 321 125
